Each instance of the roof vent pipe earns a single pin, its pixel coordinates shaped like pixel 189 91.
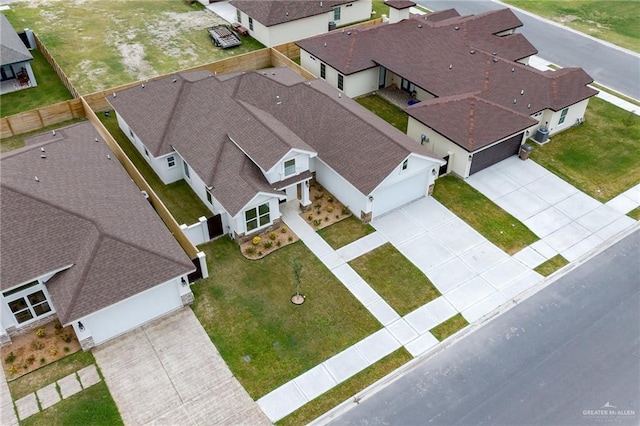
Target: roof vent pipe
pixel 456 28
pixel 450 66
pixel 513 70
pixel 522 92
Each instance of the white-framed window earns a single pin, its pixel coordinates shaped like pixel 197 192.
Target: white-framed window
pixel 171 161
pixel 27 303
pixel 239 16
pixel 257 217
pixel 323 71
pixel 340 82
pixel 289 167
pixel 209 197
pixel 336 14
pixel 250 23
pixel 186 169
pixel 405 164
pixel 563 115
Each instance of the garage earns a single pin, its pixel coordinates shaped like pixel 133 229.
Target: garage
pixel 498 152
pixel 399 194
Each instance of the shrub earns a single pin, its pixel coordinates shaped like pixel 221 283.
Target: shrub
pixel 318 196
pixel 330 198
pixel 283 230
pixel 290 238
pixel 10 358
pixel 310 217
pixel 259 253
pixel 41 333
pixel 326 219
pixel 267 244
pixel 66 349
pixel 57 325
pixel 317 222
pixel 53 351
pixel 250 250
pixel 31 360
pixel 256 240
pixel 36 346
pixel 42 360
pixel 67 337
pixel 278 243
pixel 330 209
pixel 345 210
pixel 318 212
pixel 273 236
pixel 337 216
pixel 317 205
pixel 13 370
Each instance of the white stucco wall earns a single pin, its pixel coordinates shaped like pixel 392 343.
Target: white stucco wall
pixel 361 83
pixel 131 313
pixel 348 195
pixel 238 223
pixel 575 112
pixel 276 173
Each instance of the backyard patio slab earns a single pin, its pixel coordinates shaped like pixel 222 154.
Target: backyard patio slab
pixel 48 396
pixel 469 293
pixel 69 386
pixel 27 406
pixel 421 344
pixel 315 382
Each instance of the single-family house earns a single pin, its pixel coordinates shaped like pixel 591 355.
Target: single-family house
pixel 15 60
pixel 246 142
pixel 80 242
pixel 474 98
pixel 275 22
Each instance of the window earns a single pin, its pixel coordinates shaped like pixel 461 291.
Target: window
pixel 29 306
pixel 238 16
pixel 323 71
pixel 289 167
pixel 336 14
pixel 405 164
pixel 563 115
pixel 340 82
pixel 257 217
pixel 171 161
pixel 186 169
pixel 250 23
pixel 209 197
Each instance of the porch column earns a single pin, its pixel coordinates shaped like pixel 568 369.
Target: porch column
pixel 32 77
pixel 305 201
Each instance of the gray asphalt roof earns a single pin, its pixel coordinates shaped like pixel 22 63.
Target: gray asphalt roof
pixel 12 49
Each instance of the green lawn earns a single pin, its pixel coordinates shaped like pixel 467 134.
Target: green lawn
pixel 346 389
pixel 395 278
pixel 614 21
pixel 385 110
pixel 48 374
pixel 344 232
pixel 266 340
pixel 495 224
pixel 379 8
pixel 616 94
pixel 102 44
pixel 634 214
pixel 93 406
pixel 599 157
pixel 182 202
pixel 49 90
pixel 449 327
pixel 551 265
pixel 15 142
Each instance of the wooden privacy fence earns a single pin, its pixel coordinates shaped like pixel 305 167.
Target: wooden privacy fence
pixel 41 117
pixel 56 67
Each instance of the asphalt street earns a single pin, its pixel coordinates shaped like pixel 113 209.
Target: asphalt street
pixel 612 67
pixel 569 355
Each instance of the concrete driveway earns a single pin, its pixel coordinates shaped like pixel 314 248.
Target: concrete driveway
pixel 169 373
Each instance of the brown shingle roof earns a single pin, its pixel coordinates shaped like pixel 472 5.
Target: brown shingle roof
pixel 274 12
pixel 84 213
pixel 399 4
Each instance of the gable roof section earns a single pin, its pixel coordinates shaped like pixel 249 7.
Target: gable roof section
pixel 270 13
pixel 12 49
pixel 85 212
pixel 399 4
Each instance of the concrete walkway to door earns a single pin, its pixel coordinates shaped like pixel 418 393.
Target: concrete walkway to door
pixel 169 373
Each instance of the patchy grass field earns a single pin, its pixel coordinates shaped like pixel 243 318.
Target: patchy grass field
pixel 395 278
pixel 344 232
pixel 265 339
pixel 614 21
pixel 551 265
pixel 495 224
pixel 49 90
pixel 599 157
pixel 102 44
pixel 385 110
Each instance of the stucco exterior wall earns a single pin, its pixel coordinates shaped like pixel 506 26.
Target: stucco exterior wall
pixel 348 195
pixel 276 173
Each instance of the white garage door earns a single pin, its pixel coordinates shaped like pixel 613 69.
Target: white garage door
pixel 399 194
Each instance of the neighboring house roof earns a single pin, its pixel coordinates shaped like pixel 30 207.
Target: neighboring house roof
pixel 83 214
pixel 263 114
pixel 270 13
pixel 399 4
pixel 462 60
pixel 12 49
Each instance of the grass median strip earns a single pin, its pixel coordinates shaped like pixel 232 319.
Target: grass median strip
pixel 345 232
pixel 347 389
pixel 266 340
pixel 551 265
pixel 179 198
pixel 495 224
pixel 395 278
pixel 449 327
pixel 599 157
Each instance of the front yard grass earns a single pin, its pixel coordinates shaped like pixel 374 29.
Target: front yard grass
pixel 265 339
pixel 550 266
pixel 346 389
pixel 182 202
pixel 599 157
pixel 91 407
pixel 49 90
pixel 15 142
pixel 495 224
pixel 635 213
pixel 614 21
pixel 385 110
pixel 107 44
pixel 449 327
pixel 395 278
pixel 344 232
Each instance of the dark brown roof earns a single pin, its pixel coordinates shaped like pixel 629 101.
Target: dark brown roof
pixel 399 4
pixel 86 215
pixel 274 12
pixel 441 15
pixel 12 49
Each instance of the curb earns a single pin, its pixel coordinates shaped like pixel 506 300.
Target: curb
pixel 451 340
